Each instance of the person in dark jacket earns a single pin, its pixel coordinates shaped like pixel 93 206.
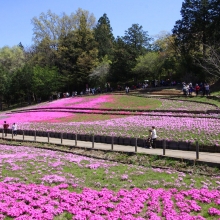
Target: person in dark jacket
pixel 5 128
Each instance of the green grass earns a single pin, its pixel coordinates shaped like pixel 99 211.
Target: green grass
pixel 64 216
pixel 110 178
pixel 202 99
pixel 89 117
pixel 132 102
pixel 205 208
pixel 216 93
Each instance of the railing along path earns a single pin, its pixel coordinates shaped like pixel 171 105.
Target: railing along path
pixel 135 145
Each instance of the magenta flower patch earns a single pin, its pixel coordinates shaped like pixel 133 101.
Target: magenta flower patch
pixel 21 201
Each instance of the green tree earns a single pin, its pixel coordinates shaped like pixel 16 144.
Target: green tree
pixel 44 81
pixel 21 46
pixel 127 49
pixel 122 63
pixel 44 54
pixel 11 58
pixel 3 84
pixel 192 32
pixel 169 53
pixel 89 19
pixel 77 54
pixel 104 37
pixel 210 61
pixel 49 28
pixel 215 24
pixel 137 39
pixel 149 65
pixel 21 85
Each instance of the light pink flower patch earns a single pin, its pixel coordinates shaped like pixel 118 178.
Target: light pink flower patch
pixel 64 102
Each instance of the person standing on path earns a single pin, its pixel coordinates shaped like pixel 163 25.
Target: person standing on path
pixel 5 128
pixel 190 88
pixel 14 129
pixel 207 91
pixel 127 89
pixel 148 142
pixel 153 136
pixel 197 88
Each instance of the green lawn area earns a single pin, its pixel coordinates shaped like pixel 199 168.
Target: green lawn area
pixel 216 93
pixel 202 99
pixel 132 102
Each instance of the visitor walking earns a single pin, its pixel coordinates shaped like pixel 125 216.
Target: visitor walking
pixel 197 89
pixel 5 128
pixel 185 89
pixel 154 137
pixel 14 129
pixel 207 91
pixel 190 88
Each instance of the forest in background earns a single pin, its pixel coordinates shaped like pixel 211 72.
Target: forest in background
pixel 72 52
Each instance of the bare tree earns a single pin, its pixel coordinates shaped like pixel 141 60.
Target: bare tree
pixel 211 61
pixel 100 73
pixel 52 26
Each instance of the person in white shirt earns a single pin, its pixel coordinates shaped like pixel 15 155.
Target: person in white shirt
pixel 153 136
pixel 185 90
pixel 207 89
pixel 14 129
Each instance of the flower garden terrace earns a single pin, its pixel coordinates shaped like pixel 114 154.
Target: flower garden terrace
pixel 43 184
pixel 125 116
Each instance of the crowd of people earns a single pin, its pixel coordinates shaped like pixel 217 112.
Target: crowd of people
pixel 107 88
pixel 189 88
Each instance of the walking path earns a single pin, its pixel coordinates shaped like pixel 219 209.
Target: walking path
pixel 210 158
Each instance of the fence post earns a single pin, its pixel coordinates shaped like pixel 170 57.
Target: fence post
pixel 23 134
pixel 93 138
pixel 164 147
pixel 61 138
pixel 197 150
pixel 112 145
pixel 136 145
pixel 76 140
pixel 35 135
pixel 48 137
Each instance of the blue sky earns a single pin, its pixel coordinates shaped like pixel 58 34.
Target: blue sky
pixel 154 15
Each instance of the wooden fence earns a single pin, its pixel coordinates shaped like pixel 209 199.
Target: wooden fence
pixel 112 140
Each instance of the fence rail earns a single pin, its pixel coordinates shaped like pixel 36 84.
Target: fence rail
pixel 111 140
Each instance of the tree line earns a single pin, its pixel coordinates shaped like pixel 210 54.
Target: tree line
pixel 73 51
